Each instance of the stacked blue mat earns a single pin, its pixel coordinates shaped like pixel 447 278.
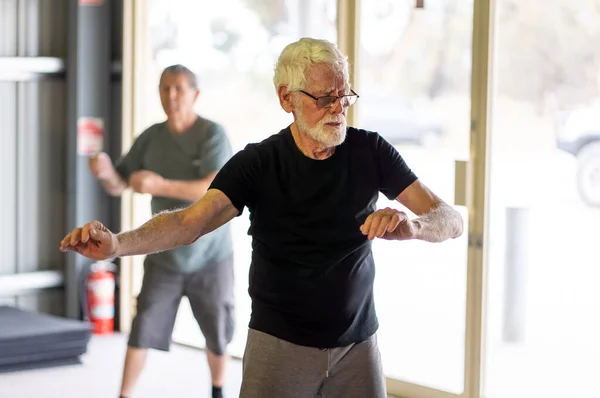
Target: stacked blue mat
pixel 30 340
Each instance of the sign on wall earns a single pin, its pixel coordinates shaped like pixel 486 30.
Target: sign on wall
pixel 90 136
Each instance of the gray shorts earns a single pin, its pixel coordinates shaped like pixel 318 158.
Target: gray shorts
pixel 210 292
pixel 274 368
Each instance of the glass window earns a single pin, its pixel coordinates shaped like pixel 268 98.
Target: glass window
pixel 541 321
pixel 414 75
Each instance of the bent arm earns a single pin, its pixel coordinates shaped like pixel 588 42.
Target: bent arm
pixel 114 185
pixel 437 220
pixel 185 190
pixel 172 229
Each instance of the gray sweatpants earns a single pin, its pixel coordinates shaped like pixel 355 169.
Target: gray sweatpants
pixel 274 368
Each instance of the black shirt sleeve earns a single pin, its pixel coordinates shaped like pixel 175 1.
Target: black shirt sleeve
pixel 394 174
pixel 239 178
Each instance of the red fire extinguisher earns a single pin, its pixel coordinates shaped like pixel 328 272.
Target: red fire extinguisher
pixel 101 298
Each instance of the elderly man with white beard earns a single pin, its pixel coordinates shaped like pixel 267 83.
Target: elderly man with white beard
pixel 311 192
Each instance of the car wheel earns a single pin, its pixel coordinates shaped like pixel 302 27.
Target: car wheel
pixel 588 174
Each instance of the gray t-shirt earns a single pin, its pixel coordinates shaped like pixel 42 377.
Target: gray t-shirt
pixel 191 155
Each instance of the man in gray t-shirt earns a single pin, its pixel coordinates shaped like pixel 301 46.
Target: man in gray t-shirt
pixel 175 162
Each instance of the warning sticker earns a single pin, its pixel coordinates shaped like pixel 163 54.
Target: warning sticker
pixel 90 136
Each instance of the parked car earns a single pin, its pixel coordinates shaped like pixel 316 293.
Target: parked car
pixel 578 133
pixel 400 121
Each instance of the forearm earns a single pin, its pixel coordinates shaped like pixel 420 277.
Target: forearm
pixel 190 191
pixel 442 223
pixel 114 185
pixel 164 231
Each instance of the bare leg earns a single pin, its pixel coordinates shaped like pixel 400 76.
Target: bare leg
pixel 217 364
pixel 135 359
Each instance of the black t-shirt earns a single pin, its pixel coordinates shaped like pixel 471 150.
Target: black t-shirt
pixel 312 271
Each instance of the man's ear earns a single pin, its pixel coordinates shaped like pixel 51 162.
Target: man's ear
pixel 285 99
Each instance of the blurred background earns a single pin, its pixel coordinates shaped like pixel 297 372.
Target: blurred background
pixel 413 69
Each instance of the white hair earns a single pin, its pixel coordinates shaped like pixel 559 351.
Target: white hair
pixel 297 57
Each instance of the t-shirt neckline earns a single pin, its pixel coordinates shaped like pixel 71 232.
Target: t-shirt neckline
pixel 298 153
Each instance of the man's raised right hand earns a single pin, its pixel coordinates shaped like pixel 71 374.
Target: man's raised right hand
pixel 93 240
pixel 101 166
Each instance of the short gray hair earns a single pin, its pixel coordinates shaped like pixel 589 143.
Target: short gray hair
pixel 179 69
pixel 297 57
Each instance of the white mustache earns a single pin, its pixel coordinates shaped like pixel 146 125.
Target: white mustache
pixel 336 120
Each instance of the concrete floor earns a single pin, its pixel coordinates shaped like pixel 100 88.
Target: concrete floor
pixel 181 373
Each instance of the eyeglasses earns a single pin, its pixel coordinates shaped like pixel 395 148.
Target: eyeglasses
pixel 329 100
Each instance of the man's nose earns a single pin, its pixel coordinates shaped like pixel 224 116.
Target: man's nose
pixel 337 107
